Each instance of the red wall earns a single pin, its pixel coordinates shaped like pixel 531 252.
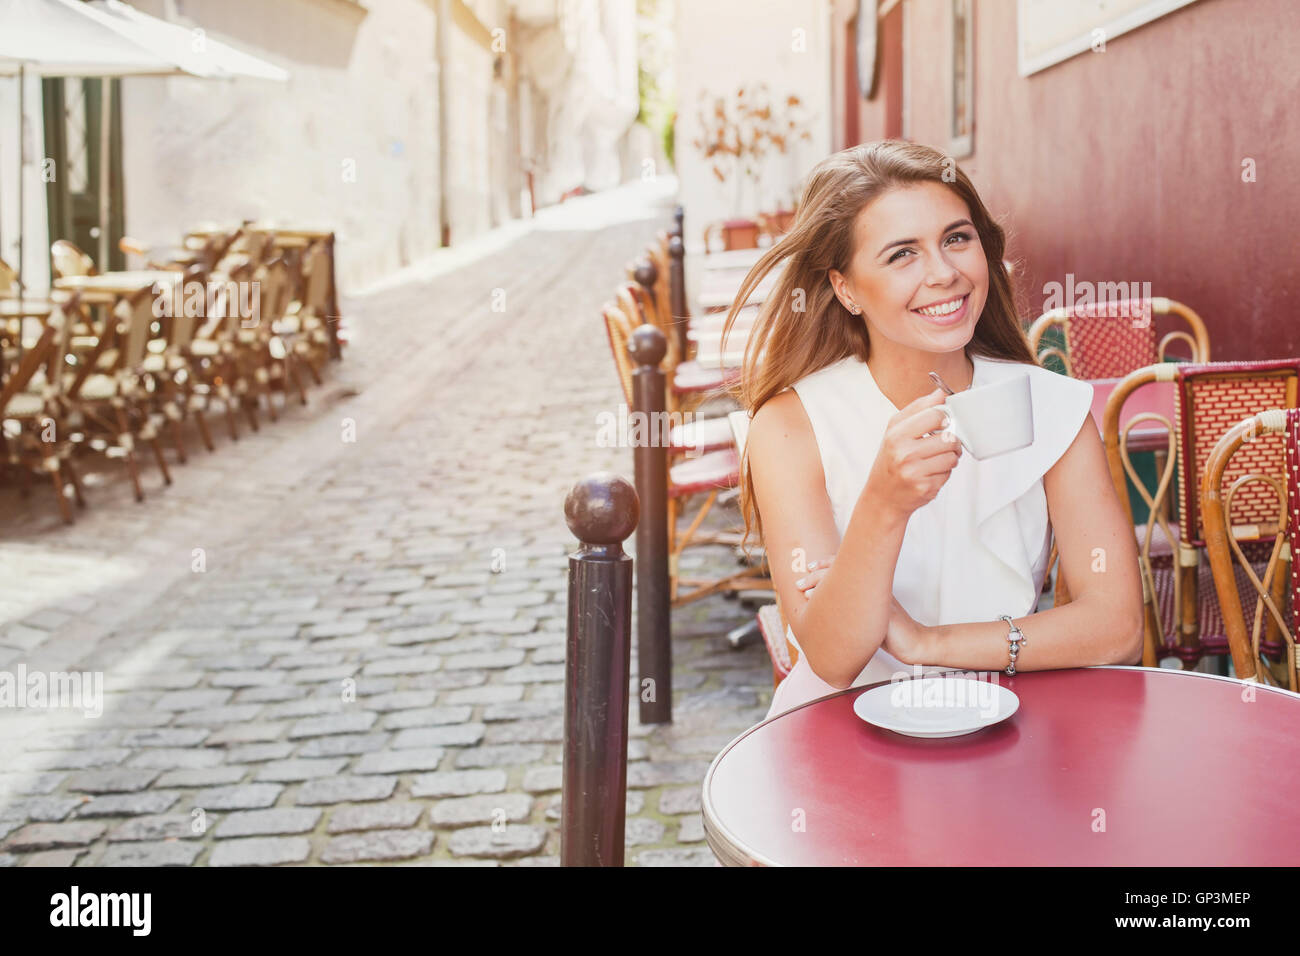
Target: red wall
pixel 1126 165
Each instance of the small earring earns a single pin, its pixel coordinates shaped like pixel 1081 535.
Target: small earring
pixel 856 311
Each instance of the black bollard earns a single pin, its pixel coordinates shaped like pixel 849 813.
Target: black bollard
pixel 654 654
pixel 679 214
pixel 601 510
pixel 677 292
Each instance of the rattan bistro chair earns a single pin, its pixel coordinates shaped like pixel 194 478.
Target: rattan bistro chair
pixel 1272 627
pixel 1183 617
pixel 1109 340
pixel 693 469
pixel 33 434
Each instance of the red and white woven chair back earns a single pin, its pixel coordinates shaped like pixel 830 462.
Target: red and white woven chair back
pixel 1211 399
pixel 1109 340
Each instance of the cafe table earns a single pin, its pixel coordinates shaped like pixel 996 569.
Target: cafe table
pixel 108 287
pixel 1098 766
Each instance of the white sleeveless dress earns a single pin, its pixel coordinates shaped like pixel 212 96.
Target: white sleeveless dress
pixel 980 548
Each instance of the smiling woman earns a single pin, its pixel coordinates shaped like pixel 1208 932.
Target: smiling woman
pixel 888 546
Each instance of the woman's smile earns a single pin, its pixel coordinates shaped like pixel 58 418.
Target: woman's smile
pixel 950 311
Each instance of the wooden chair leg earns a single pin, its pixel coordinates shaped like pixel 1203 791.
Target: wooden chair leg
pixel 127 441
pixel 76 483
pixel 204 433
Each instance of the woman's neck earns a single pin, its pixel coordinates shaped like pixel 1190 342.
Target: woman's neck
pixel 902 376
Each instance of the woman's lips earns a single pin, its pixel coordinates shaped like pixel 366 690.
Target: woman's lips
pixel 951 318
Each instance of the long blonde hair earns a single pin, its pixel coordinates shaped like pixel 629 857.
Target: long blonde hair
pixel 797 342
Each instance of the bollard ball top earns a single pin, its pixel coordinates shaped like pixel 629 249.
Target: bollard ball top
pixel 675 247
pixel 648 345
pixel 602 508
pixel 646 273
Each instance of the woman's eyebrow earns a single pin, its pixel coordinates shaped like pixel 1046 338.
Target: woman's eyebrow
pixel 904 242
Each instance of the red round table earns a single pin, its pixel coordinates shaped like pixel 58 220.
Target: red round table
pixel 1100 766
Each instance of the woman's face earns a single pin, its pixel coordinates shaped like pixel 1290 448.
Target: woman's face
pixel 915 249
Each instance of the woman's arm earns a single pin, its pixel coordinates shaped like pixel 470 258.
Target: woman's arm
pixel 1103 624
pixel 843 624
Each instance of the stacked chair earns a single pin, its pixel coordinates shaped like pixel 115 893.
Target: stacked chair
pixel 113 374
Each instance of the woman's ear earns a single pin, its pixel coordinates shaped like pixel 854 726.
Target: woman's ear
pixel 838 282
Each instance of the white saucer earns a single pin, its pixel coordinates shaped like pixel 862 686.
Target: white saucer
pixel 936 706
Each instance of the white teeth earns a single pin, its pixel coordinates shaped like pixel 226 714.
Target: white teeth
pixel 948 309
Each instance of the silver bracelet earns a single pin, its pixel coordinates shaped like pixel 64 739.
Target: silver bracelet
pixel 1016 639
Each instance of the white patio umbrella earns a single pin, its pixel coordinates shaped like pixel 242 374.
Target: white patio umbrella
pixel 68 38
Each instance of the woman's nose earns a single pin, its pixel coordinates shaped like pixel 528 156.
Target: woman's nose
pixel 940 271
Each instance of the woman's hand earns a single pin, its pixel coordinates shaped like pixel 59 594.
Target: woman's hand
pixel 915 457
pixel 910 642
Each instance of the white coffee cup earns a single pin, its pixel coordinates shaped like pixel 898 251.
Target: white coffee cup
pixel 992 419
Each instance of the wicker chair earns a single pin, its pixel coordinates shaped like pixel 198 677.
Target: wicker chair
pixel 33 433
pixel 706 463
pixel 1109 340
pixel 1270 637
pixel 68 260
pixel 1183 617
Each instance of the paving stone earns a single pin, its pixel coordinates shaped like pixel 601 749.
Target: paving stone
pixel 646 774
pixel 485 659
pixel 345 789
pixel 193 699
pixel 345 723
pixel 543 779
pixel 445 680
pixel 295 769
pixel 491 694
pixel 257 678
pixel 421 634
pixel 497 808
pixel 273 822
pixel 165 737
pixel 258 753
pixel 514 840
pixel 447 735
pixel 83 759
pixel 112 781
pixel 534 674
pixel 456 783
pixel 404 665
pixel 680 800
pixel 55 858
pixel 378 845
pixel 641 831
pixel 129 804
pixel 244 796
pixel 376 816
pixel 207 777
pixel 499 755
pixel 260 851
pixel 691 830
pixel 343 745
pixel 246 733
pixel 400 761
pixel 166 826
pixel 166 853
pixel 53 836
pixel 522 710
pixel 427 717
pixel 401 700
pixel 41 809
pixel 217 716
pixel 169 758
pixel 546 730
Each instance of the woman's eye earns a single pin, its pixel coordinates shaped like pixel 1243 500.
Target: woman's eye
pixel 964 236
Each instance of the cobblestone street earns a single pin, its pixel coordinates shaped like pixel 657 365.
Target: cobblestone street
pixel 307 655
